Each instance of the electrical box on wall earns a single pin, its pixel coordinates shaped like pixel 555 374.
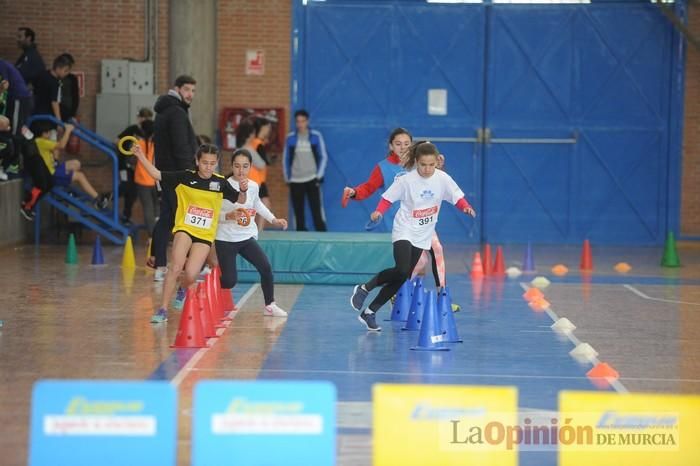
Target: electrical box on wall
pixel 112 114
pixel 115 77
pixel 140 78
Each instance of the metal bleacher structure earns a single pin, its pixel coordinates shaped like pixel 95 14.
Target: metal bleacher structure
pixel 75 204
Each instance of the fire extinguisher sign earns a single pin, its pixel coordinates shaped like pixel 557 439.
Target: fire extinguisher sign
pixel 255 62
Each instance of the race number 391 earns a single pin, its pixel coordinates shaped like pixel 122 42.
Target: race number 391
pixel 199 217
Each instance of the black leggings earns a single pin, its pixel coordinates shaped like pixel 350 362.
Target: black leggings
pixel 406 257
pixel 250 250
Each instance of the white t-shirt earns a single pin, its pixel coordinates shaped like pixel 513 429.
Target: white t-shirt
pixel 420 205
pixel 230 230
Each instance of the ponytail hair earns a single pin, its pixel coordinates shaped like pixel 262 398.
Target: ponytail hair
pixel 416 151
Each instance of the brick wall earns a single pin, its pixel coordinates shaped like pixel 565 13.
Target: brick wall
pixel 266 25
pixel 690 197
pixel 90 30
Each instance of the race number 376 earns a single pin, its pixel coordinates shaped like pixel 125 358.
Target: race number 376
pixel 199 217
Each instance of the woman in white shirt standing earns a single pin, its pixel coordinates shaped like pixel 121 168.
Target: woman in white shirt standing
pixel 238 233
pixel 421 192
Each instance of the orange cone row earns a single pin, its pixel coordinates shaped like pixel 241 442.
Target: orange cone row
pixel 206 306
pixel 480 268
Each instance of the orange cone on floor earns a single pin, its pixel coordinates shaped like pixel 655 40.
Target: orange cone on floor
pixel 532 294
pixel 603 370
pixel 205 313
pixel 586 256
pixel 486 265
pixel 213 296
pixel 499 265
pixel 477 267
pixel 190 333
pixel 539 304
pixel 204 303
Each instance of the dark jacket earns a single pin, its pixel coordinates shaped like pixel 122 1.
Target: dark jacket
pixel 30 64
pixel 174 138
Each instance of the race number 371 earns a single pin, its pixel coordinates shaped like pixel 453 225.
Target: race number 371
pixel 199 217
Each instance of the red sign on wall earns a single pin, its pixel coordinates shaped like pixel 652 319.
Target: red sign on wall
pixel 80 75
pixel 255 62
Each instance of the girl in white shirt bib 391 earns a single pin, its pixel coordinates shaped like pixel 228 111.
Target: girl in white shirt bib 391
pixel 238 233
pixel 421 192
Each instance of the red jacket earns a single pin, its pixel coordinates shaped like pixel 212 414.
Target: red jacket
pixel 375 181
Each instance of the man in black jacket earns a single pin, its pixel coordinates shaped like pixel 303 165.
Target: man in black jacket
pixel 175 146
pixel 30 63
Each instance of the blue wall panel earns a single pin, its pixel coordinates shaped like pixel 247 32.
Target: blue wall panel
pixel 601 74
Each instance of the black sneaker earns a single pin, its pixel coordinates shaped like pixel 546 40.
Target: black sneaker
pixel 369 320
pixel 359 294
pixel 27 213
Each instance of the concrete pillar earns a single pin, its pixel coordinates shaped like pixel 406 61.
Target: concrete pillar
pixel 193 48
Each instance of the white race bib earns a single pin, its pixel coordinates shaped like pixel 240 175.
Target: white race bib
pixel 199 217
pixel 425 217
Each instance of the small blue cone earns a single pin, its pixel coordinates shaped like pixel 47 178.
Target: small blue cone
pixel 415 314
pixel 528 260
pixel 97 257
pixel 402 305
pixel 431 335
pixel 447 317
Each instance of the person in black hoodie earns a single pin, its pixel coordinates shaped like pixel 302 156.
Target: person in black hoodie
pixel 30 64
pixel 175 145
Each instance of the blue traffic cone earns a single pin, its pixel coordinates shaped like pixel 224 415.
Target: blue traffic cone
pixel 431 335
pixel 402 304
pixel 447 318
pixel 415 314
pixel 97 257
pixel 528 260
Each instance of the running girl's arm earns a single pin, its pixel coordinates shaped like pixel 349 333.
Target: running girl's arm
pixel 465 207
pixel 456 196
pixel 150 168
pixel 369 187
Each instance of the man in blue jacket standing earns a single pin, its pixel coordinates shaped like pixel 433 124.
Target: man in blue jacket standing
pixel 304 162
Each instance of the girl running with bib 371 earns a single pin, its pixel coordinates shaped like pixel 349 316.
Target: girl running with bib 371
pixel 199 197
pixel 421 192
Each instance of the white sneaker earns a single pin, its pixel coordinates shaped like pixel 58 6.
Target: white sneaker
pixel 3 175
pixel 275 311
pixel 159 275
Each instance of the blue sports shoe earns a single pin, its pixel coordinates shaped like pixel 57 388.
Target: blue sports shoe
pixel 359 294
pixel 160 316
pixel 179 302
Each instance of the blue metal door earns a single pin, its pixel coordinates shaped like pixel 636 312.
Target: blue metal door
pixel 573 104
pixel 578 113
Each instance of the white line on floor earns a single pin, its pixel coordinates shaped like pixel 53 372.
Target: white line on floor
pixel 616 384
pixel 182 373
pixel 646 296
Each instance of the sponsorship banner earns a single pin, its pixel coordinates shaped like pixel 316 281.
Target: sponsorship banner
pixel 264 423
pixel 88 422
pixel 640 429
pixel 444 424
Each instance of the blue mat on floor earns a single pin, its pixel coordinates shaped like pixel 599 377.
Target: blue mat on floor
pixel 321 258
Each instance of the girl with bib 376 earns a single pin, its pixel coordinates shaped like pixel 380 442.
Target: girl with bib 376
pixel 199 197
pixel 421 192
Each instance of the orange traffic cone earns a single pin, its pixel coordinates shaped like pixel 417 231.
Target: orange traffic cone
pixel 477 267
pixel 499 266
pixel 603 370
pixel 204 303
pixel 190 333
pixel 221 307
pixel 207 321
pixel 539 304
pixel 486 266
pixel 586 257
pixel 532 294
